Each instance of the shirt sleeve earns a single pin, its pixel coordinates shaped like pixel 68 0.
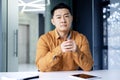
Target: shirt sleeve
pixel 47 60
pixel 82 56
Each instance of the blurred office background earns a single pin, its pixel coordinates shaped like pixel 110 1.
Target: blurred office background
pixel 23 21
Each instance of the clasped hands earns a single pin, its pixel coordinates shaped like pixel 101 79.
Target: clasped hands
pixel 69 46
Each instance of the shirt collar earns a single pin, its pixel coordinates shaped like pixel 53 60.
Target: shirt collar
pixel 58 36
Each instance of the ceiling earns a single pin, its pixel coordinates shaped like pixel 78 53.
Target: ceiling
pixel 31 6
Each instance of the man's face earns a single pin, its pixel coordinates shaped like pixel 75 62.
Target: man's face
pixel 62 19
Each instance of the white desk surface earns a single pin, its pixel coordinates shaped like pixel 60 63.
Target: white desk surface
pixel 60 75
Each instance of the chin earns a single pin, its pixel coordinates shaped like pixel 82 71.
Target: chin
pixel 64 30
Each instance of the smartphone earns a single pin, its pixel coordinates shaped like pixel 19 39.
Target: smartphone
pixel 84 77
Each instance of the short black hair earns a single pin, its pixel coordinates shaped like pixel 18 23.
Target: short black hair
pixel 60 6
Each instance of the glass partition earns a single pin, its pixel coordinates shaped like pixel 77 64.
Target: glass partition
pixel 114 34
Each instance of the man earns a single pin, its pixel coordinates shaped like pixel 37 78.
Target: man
pixel 63 48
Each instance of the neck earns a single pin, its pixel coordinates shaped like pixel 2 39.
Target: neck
pixel 63 34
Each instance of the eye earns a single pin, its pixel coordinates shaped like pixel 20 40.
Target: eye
pixel 66 16
pixel 58 17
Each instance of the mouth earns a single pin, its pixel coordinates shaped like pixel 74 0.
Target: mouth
pixel 64 25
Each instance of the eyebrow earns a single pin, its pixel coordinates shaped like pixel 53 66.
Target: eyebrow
pixel 64 14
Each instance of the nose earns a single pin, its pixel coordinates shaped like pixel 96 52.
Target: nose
pixel 63 20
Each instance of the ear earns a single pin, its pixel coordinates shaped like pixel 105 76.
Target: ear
pixel 52 21
pixel 71 18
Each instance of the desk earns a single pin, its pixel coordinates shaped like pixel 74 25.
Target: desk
pixel 63 75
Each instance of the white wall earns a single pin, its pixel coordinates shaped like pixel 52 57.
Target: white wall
pixel 32 21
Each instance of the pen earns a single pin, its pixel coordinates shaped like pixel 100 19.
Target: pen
pixel 33 77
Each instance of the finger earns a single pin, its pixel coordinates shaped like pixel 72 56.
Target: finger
pixel 68 47
pixel 68 44
pixel 68 50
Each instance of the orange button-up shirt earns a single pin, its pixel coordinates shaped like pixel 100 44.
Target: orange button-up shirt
pixel 49 56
